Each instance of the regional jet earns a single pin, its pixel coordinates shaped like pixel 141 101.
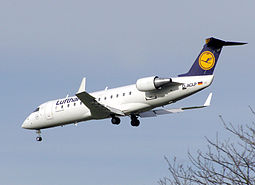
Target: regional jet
pixel 146 98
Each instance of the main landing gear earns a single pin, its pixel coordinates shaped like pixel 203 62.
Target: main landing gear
pixel 38 138
pixel 115 120
pixel 134 121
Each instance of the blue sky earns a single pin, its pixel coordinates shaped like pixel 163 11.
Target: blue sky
pixel 46 47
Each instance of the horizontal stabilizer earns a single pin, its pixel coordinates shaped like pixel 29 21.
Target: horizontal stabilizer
pixel 154 113
pixel 217 43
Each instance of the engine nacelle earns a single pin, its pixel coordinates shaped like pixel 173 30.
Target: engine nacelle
pixel 151 83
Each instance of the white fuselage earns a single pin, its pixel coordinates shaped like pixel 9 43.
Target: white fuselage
pixel 127 99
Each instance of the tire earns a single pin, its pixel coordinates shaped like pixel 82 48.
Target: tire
pixel 39 139
pixel 115 120
pixel 135 123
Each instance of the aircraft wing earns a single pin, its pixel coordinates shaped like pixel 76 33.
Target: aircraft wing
pixel 97 110
pixel 154 113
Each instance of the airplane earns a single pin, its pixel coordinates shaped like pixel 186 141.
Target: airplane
pixel 138 100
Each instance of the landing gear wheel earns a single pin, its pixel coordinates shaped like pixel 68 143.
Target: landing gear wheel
pixel 38 138
pixel 115 120
pixel 135 123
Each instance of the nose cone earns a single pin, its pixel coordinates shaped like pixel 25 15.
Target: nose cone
pixel 25 124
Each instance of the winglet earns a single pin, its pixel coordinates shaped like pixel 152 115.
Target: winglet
pixel 208 100
pixel 82 86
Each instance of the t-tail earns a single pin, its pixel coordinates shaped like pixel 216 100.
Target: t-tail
pixel 207 59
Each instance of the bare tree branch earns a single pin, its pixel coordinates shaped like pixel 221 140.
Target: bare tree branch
pixel 224 163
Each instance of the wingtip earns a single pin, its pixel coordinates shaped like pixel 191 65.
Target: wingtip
pixel 82 86
pixel 208 100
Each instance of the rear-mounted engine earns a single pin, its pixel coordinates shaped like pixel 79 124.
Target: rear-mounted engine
pixel 151 83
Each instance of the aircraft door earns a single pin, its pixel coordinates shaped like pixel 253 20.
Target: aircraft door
pixel 48 110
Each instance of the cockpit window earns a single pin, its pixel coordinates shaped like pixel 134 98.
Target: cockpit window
pixel 37 109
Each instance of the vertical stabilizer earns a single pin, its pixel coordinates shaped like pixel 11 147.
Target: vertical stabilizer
pixel 208 57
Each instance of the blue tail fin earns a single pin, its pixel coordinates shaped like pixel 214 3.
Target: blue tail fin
pixel 207 59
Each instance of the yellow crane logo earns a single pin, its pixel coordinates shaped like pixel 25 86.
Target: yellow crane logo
pixel 206 60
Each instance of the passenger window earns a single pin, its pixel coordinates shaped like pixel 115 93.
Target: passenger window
pixel 104 98
pixel 130 93
pixel 111 96
pixel 98 99
pixel 123 94
pixel 74 104
pixel 80 103
pixel 62 106
pixel 68 105
pixel 117 95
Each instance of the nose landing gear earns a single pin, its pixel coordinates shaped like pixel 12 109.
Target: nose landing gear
pixel 38 138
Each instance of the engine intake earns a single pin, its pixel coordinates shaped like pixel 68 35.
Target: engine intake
pixel 151 83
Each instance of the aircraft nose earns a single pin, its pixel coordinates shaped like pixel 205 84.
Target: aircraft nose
pixel 25 124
